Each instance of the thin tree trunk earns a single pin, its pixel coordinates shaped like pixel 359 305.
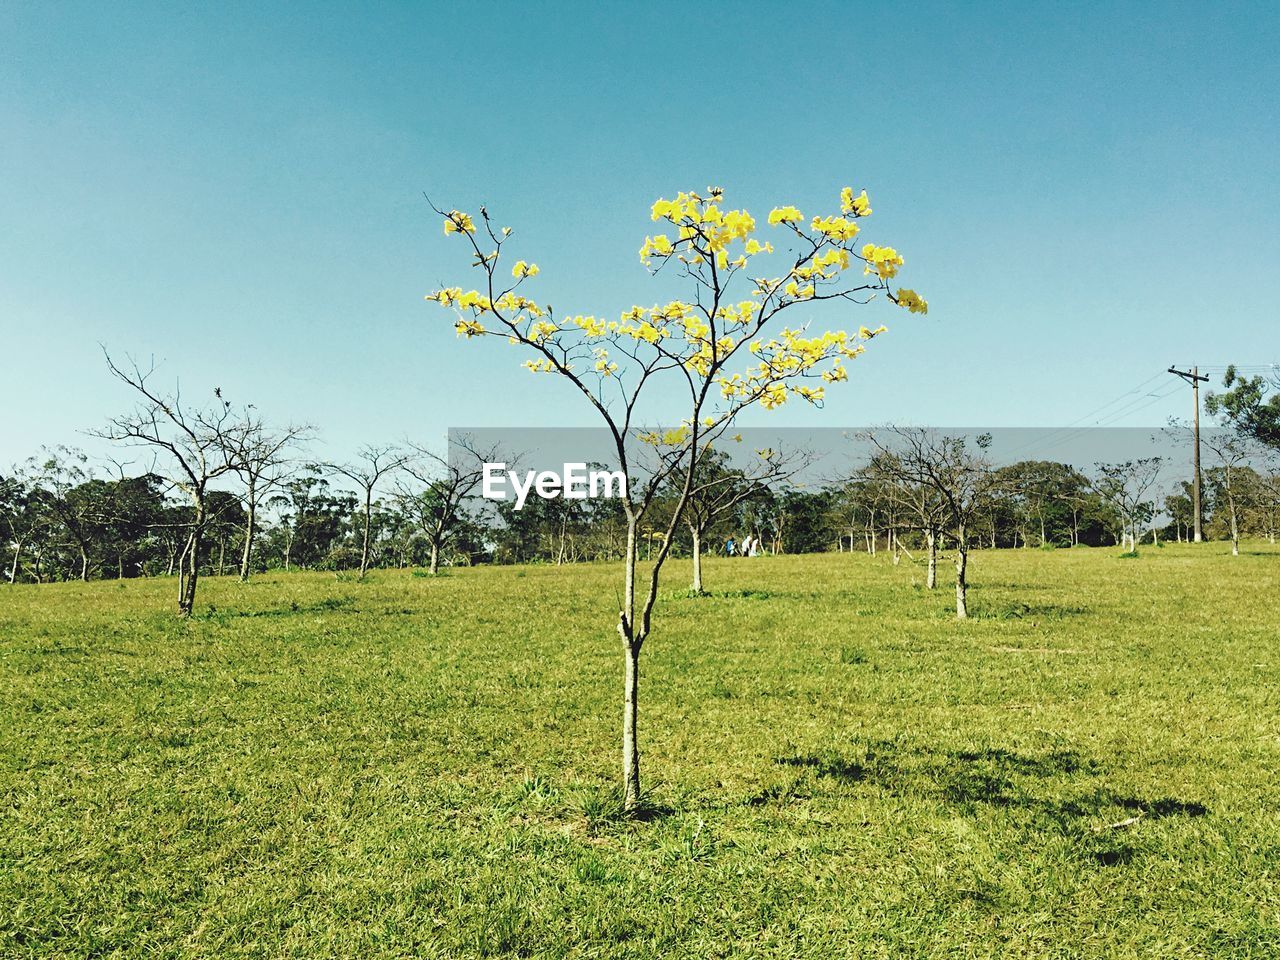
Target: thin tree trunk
pixel 188 602
pixel 1235 529
pixel 246 558
pixel 187 595
pixel 697 558
pixel 182 567
pixel 364 550
pixel 435 556
pixel 13 568
pixel 932 579
pixel 630 718
pixel 631 680
pixel 962 585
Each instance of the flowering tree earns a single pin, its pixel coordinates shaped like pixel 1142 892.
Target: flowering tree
pixel 721 351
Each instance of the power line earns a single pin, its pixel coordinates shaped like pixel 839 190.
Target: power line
pixel 1036 441
pixel 1064 435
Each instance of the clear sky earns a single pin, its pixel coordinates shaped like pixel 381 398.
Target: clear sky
pixel 1086 193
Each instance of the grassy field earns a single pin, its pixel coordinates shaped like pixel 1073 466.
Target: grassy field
pixel 418 767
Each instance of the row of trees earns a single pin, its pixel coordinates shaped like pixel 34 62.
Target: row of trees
pixel 400 506
pixel 222 489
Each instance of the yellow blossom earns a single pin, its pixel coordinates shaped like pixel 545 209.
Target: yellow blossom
pixel 784 215
pixel 455 221
pixel 912 301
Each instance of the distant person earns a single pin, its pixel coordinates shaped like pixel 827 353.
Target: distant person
pixel 747 545
pixel 729 547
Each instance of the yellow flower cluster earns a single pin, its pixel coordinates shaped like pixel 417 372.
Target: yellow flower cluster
pixel 591 326
pixel 837 228
pixel 604 365
pixel 859 206
pixel 511 301
pixel 703 227
pixel 699 230
pixel 543 330
pixel 454 297
pixel 784 215
pixel 884 261
pixel 774 396
pixel 837 373
pixel 661 245
pixel 741 313
pixel 912 301
pixel 670 438
pixel 455 221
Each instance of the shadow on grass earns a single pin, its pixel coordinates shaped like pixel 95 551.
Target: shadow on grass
pixel 1031 611
pixel 327 605
pixel 1054 789
pixel 691 594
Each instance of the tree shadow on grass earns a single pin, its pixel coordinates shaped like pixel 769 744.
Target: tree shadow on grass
pixel 1030 611
pixel 327 605
pixel 1057 790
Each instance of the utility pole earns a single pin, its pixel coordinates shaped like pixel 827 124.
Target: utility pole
pixel 1193 377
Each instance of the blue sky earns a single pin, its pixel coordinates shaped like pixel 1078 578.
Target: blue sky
pixel 1085 193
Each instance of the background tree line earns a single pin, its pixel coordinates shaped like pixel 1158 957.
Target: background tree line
pixel 226 492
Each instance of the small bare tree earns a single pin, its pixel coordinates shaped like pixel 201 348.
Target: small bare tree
pixel 1124 487
pixel 1233 451
pixel 264 461
pixel 944 464
pixel 918 501
pixel 719 488
pixel 443 485
pixel 373 464
pixel 23 512
pixel 192 448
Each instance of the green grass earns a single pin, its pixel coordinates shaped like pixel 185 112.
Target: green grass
pixel 425 767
